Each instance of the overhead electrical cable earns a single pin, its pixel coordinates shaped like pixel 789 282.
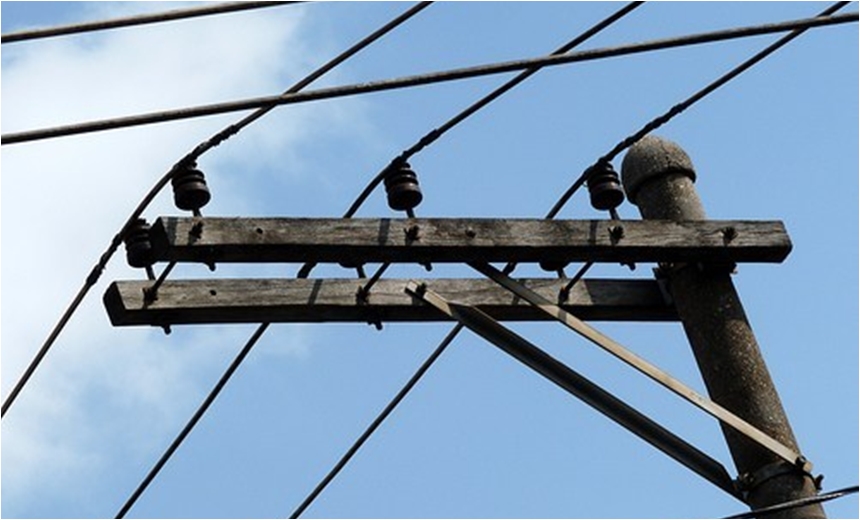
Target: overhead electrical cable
pixel 378 421
pixel 800 502
pixel 258 333
pixel 452 334
pixel 429 138
pixel 189 158
pixel 421 79
pixel 195 418
pixel 436 133
pixel 129 21
pixel 687 103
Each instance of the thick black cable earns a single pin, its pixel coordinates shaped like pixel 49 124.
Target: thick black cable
pixel 188 159
pixel 258 333
pixel 378 421
pixel 800 502
pixel 452 334
pixel 222 382
pixel 129 21
pixel 420 80
pixel 687 103
pixel 438 132
pixel 430 137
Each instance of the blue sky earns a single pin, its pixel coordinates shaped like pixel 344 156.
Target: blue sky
pixel 481 436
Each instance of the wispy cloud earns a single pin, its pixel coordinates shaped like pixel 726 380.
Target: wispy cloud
pixel 108 397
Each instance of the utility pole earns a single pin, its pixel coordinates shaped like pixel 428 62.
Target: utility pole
pixel 658 177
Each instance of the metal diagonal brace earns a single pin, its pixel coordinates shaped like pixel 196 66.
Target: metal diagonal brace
pixel 643 366
pixel 581 387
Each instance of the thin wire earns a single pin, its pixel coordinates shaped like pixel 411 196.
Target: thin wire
pixel 800 502
pixel 344 460
pixel 258 333
pixel 687 103
pixel 419 80
pixel 222 382
pixel 115 23
pixel 452 334
pixel 436 133
pixel 190 158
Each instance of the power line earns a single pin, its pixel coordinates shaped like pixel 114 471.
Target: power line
pixel 419 80
pixel 128 21
pixel 452 334
pixel 378 421
pixel 258 333
pixel 438 132
pixel 222 382
pixel 687 103
pixel 800 502
pixel 189 158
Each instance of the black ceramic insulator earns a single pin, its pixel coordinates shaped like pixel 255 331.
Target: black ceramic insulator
pixel 189 189
pixel 401 185
pixel 138 248
pixel 604 187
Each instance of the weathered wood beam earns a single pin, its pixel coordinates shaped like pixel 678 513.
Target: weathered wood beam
pixel 334 300
pixel 353 241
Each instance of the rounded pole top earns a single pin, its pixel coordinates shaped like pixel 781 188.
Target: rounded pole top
pixel 653 157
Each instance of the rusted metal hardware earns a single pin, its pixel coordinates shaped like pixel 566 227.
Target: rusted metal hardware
pixel 580 387
pixel 747 482
pixel 564 292
pixel 150 294
pixel 401 186
pixel 190 192
pixel 645 367
pixel 362 295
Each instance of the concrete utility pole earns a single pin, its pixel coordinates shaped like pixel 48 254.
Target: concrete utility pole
pixel 658 177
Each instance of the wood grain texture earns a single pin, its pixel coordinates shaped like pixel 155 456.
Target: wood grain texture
pixel 465 240
pixel 334 300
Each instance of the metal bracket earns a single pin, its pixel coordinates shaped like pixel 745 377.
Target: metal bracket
pixel 645 367
pixel 580 387
pixel 751 480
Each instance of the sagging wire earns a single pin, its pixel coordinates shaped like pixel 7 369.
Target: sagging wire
pixel 344 460
pixel 664 118
pixel 182 165
pixel 398 163
pixel 420 80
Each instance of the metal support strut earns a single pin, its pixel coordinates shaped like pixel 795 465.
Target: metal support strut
pixel 581 387
pixel 645 367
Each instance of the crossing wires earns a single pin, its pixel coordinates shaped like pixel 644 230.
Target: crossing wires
pixel 420 145
pixel 186 160
pixel 419 80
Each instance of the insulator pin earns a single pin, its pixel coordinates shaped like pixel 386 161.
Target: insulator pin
pixel 138 248
pixel 401 185
pixel 190 192
pixel 604 187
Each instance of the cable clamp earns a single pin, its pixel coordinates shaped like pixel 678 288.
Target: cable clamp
pixel 751 480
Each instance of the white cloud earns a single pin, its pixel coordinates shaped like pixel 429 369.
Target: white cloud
pixel 106 394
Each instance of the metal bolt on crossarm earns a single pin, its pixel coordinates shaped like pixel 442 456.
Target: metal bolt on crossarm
pixel 658 177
